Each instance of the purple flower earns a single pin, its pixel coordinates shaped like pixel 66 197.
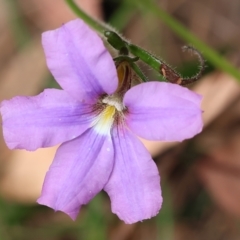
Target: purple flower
pixel 96 118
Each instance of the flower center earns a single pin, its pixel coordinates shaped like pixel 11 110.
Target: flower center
pixel 114 101
pixel 113 108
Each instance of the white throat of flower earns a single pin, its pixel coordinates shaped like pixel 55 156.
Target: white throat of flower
pixel 104 120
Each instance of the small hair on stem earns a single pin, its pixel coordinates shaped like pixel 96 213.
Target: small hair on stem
pixel 201 60
pixel 173 76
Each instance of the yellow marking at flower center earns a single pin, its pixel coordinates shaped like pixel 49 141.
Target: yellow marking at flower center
pixel 103 122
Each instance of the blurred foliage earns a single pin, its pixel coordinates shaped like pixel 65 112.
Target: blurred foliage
pixel 21 33
pixel 24 222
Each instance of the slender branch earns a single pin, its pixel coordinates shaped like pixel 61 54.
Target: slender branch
pixel 123 46
pixel 95 24
pixel 210 54
pixel 117 41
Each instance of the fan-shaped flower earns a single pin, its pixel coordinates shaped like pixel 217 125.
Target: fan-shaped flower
pixel 96 118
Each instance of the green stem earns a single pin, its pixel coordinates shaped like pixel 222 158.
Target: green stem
pixel 210 54
pixel 138 71
pixel 95 24
pixel 145 56
pixel 115 39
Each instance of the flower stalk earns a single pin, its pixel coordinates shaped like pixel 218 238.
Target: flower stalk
pixel 124 47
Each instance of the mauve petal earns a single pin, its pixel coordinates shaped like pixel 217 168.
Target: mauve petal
pixel 79 61
pixel 79 171
pixel 134 185
pixel 163 111
pixel 47 119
